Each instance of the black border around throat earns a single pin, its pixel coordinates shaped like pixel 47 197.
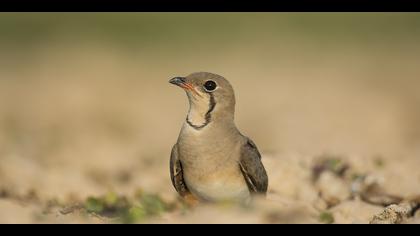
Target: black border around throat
pixel 207 117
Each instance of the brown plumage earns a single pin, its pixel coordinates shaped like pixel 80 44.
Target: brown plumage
pixel 212 160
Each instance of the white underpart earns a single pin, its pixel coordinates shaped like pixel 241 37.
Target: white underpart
pixel 223 184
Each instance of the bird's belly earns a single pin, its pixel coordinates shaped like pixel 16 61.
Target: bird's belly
pixel 218 186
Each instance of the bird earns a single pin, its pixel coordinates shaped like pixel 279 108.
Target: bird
pixel 212 161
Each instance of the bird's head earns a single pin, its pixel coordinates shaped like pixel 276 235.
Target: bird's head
pixel 211 97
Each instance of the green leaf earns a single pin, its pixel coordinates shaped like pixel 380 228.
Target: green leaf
pixel 94 205
pixel 326 217
pixel 153 204
pixel 111 199
pixel 134 214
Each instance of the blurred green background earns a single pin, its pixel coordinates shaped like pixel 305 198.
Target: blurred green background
pixel 140 30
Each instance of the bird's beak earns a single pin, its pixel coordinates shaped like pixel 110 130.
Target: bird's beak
pixel 180 81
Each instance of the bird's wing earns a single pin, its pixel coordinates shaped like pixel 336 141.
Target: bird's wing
pixel 252 168
pixel 177 177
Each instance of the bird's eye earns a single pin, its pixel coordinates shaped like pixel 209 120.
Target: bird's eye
pixel 210 85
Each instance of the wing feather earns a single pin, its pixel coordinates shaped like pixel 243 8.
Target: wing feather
pixel 177 177
pixel 252 168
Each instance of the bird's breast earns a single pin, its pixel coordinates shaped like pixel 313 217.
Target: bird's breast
pixel 210 165
pixel 223 183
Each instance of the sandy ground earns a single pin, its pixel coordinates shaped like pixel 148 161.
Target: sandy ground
pixel 82 120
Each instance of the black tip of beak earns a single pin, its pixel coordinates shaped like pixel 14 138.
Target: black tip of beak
pixel 177 80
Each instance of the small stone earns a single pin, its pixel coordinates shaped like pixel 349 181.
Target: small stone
pixel 417 214
pixel 320 204
pixel 333 189
pixel 393 214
